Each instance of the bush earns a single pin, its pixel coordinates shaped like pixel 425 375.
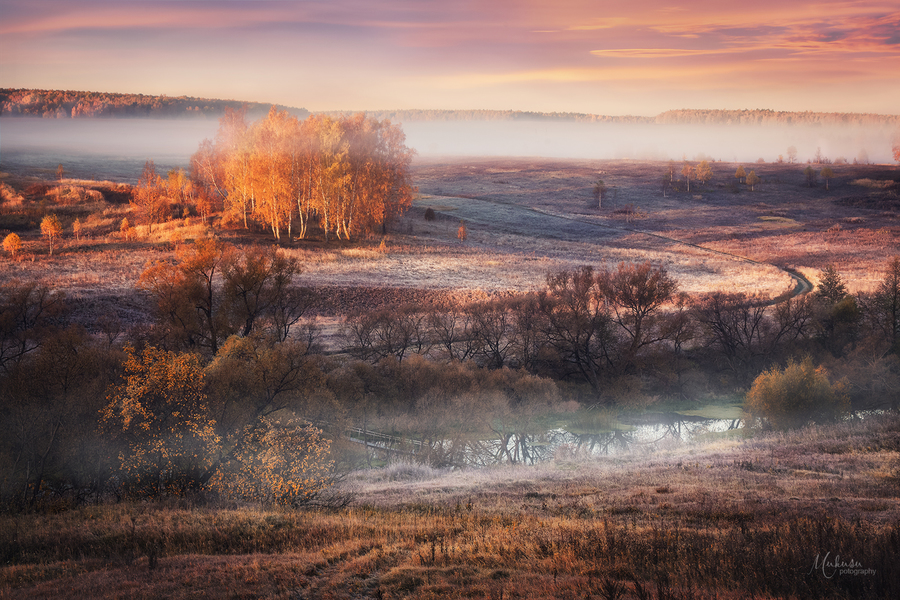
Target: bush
pixel 793 396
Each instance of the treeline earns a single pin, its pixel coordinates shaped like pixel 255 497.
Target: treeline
pixel 771 117
pixel 627 332
pixel 347 175
pixel 411 115
pixel 76 104
pixel 62 104
pixel 671 117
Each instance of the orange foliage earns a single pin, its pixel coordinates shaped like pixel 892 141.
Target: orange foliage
pixel 350 172
pixel 279 461
pixel 160 417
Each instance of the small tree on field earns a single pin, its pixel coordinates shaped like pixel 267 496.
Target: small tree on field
pixel 462 233
pixel 599 190
pixel 77 228
pixel 810 174
pixel 12 244
pixel 52 228
pixel 740 174
pixel 752 180
pixel 792 154
pixel 827 174
pixel 429 214
pixel 125 228
pixel 791 397
pixel 688 172
pixel 703 173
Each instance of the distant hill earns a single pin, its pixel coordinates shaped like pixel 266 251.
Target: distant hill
pixel 79 105
pixel 69 104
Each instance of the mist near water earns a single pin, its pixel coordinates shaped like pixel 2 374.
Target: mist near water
pixel 116 149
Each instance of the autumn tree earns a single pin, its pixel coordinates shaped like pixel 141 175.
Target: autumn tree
pixel 12 243
pixel 350 172
pixel 52 401
pixel 189 306
pixel 703 172
pixel 883 306
pixel 281 460
pixel 271 165
pixel 149 199
pixel 791 397
pixel 687 171
pixel 29 314
pixel 838 313
pixel 740 174
pixel 160 418
pixel 462 234
pixel 52 229
pixel 387 332
pixel 827 174
pixel 252 379
pixel 77 228
pixel 752 180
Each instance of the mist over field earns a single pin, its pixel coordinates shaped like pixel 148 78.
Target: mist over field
pixel 116 149
pixel 740 143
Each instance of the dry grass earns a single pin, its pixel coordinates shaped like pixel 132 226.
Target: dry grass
pixel 725 519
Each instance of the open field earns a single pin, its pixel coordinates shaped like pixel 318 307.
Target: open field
pixel 724 518
pixel 529 217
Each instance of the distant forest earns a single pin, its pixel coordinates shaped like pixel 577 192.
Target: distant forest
pixel 59 104
pixel 70 104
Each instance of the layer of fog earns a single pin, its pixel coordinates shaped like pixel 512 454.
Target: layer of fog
pixel 739 143
pixel 117 149
pixel 114 149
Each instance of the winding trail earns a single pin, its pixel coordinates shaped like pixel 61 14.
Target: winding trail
pixel 517 219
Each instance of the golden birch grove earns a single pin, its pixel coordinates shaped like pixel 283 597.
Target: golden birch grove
pixel 348 176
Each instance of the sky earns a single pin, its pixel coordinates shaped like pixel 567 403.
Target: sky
pixel 621 57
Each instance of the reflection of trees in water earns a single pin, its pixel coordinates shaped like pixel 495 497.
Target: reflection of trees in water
pixel 591 444
pixel 530 448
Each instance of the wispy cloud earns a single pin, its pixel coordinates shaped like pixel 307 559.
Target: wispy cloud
pixel 565 55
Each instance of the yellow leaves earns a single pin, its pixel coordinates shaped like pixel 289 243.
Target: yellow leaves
pixel 353 171
pixel 12 243
pixel 160 413
pixel 792 396
pixel 282 461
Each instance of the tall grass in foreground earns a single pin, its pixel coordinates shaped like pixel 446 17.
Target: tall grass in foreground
pixel 773 517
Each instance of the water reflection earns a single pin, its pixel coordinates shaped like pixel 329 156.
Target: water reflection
pixel 645 433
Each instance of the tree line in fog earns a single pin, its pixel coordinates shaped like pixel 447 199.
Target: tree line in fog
pixel 74 104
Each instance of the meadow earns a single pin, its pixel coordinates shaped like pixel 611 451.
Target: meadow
pixel 811 513
pixel 807 514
